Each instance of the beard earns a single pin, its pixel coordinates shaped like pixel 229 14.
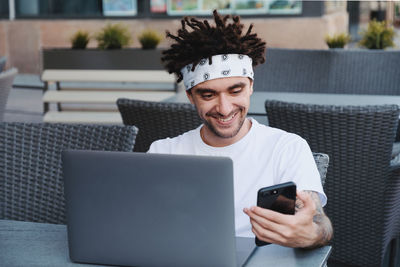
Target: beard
pixel 219 133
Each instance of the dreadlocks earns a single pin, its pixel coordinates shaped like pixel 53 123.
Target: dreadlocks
pixel 205 41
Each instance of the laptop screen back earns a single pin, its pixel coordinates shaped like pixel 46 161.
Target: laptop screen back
pixel 149 209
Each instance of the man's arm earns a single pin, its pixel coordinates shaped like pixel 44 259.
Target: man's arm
pixel 308 228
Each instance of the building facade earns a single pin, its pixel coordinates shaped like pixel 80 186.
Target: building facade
pixel 28 26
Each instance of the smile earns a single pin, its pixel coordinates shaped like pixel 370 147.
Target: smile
pixel 225 120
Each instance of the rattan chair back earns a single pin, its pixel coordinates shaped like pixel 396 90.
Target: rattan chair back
pixel 157 120
pixel 31 183
pixel 361 194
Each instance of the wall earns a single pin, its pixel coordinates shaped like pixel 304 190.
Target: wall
pixel 22 40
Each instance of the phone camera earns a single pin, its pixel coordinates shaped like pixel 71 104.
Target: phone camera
pixel 275 192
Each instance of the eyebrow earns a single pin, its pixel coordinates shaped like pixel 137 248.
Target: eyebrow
pixel 200 91
pixel 236 85
pixel 209 90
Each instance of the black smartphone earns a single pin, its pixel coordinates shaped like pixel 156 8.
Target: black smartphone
pixel 280 198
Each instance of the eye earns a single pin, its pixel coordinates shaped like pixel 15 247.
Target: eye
pixel 236 91
pixel 207 95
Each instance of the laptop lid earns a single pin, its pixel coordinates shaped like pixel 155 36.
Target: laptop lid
pixel 141 209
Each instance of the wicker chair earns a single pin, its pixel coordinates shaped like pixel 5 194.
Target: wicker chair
pixel 157 120
pixel 6 82
pixel 31 185
pixel 362 185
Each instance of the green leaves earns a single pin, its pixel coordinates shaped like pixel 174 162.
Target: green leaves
pixel 113 36
pixel 149 39
pixel 80 39
pixel 377 36
pixel 337 40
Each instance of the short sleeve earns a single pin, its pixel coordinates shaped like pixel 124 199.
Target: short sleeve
pixel 297 164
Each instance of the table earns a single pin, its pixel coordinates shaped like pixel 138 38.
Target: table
pixel 38 244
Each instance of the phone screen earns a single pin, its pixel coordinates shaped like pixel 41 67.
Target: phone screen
pixel 281 199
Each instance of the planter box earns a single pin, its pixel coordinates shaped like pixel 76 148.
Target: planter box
pixel 95 59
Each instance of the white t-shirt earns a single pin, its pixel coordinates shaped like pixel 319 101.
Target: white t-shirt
pixel 265 156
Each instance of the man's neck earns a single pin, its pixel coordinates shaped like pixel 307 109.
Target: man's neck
pixel 212 139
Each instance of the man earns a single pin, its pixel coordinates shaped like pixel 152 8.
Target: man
pixel 216 65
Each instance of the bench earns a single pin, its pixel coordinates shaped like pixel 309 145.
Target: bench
pixel 83 117
pixel 82 98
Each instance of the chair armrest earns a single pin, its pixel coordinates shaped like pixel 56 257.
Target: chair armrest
pixel 395 161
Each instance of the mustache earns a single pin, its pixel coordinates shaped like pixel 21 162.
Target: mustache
pixel 218 115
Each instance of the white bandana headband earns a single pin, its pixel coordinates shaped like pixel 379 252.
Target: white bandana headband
pixel 227 65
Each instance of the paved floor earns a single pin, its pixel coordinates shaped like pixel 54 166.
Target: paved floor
pixel 24 105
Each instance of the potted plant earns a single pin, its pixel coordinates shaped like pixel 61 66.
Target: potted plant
pixel 149 39
pixel 378 35
pixel 111 53
pixel 113 36
pixel 337 40
pixel 80 39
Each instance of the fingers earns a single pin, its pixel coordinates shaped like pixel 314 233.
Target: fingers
pixel 272 232
pixel 264 229
pixel 264 234
pixel 271 215
pixel 268 221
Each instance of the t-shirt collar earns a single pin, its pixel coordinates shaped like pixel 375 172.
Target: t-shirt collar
pixel 243 141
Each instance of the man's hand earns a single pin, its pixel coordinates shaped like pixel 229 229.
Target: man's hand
pixel 308 228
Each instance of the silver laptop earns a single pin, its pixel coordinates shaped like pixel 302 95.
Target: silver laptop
pixel 139 209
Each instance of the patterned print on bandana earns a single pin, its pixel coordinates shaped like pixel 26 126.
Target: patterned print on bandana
pixel 223 66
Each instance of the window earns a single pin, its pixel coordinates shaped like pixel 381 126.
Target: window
pixel 58 8
pixel 158 6
pixel 4 9
pixel 119 7
pixel 205 7
pixel 152 8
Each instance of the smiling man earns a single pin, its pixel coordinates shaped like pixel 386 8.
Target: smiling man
pixel 216 65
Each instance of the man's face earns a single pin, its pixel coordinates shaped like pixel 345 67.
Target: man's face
pixel 223 105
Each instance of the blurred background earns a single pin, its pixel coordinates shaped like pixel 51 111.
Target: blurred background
pixel 32 29
pixel 27 26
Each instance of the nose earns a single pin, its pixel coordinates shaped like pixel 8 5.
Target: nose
pixel 224 106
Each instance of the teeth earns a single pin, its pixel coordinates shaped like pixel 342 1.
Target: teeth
pixel 227 119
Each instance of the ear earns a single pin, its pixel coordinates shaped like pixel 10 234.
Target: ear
pixel 190 96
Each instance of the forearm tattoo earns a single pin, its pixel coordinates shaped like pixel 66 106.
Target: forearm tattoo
pixel 325 230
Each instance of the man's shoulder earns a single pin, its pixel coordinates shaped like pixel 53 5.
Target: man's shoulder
pixel 275 134
pixel 174 144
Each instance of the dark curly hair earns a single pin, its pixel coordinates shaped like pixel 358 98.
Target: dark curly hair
pixel 205 41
